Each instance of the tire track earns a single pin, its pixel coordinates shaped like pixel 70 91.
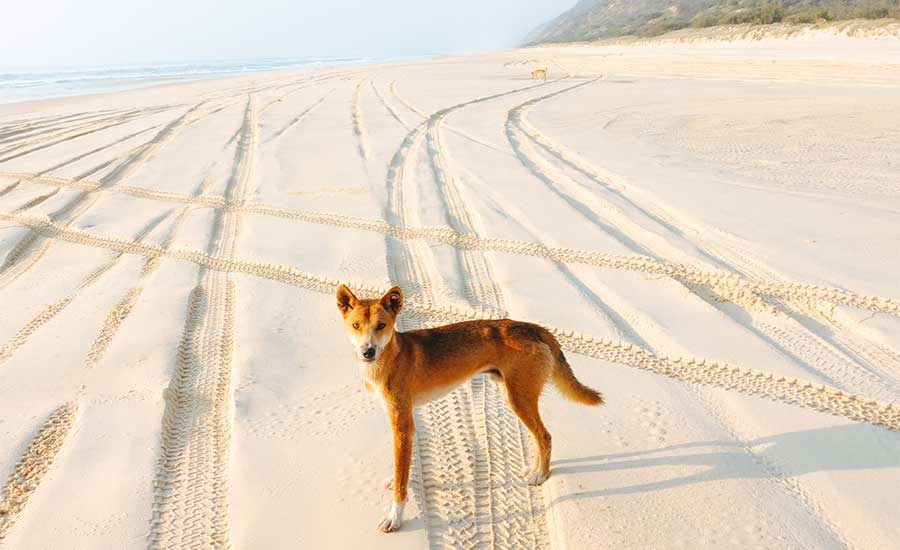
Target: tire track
pixel 796 348
pixel 721 284
pixel 618 216
pixel 51 310
pixel 13 131
pixel 518 510
pixel 480 285
pixel 603 220
pixel 447 457
pixel 880 358
pixel 805 346
pixel 393 89
pixel 862 365
pixel 483 480
pixel 190 505
pixel 117 121
pixel 9 188
pixel 29 250
pixel 120 312
pixel 389 108
pixel 302 84
pixel 527 527
pixel 92 170
pixel 98 149
pixel 412 261
pixel 77 158
pixel 642 220
pixel 51 132
pixel 508 512
pixel 33 465
pixel 446 504
pixel 841 372
pixel 453 492
pixel 358 128
pixel 693 370
pixel 409 262
pixel 788 336
pixel 31 203
pixel 860 359
pixel 299 118
pixel 606 308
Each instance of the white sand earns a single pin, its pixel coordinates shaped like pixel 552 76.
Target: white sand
pixel 678 214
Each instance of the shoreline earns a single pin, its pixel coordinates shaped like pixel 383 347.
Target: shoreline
pixel 129 83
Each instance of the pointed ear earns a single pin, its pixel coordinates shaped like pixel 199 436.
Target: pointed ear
pixel 346 300
pixel 393 300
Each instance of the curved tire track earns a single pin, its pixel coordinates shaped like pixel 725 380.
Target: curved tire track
pixel 403 101
pixel 796 348
pixel 480 285
pixel 390 109
pixel 453 492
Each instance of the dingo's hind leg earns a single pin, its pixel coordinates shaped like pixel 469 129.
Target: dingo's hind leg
pixel 523 398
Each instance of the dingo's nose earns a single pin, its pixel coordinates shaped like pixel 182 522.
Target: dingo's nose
pixel 369 353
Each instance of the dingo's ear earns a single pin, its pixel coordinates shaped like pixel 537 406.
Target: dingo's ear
pixel 393 300
pixel 346 300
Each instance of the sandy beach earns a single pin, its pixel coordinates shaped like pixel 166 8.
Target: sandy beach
pixel 711 230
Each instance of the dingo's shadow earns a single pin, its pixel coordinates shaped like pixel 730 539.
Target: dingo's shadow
pixel 850 447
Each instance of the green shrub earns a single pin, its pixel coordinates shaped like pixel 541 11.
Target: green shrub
pixel 662 26
pixel 801 18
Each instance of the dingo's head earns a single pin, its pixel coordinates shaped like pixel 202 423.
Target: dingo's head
pixel 369 323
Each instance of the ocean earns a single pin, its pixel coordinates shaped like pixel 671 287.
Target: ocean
pixel 22 84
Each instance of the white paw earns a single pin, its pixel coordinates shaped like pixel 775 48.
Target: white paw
pixel 536 477
pixel 389 525
pixel 394 518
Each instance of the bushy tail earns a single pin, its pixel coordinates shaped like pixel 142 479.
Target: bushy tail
pixel 564 379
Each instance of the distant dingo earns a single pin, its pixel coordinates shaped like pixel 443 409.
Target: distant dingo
pixel 406 369
pixel 539 73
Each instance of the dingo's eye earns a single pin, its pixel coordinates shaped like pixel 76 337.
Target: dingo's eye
pixel 356 326
pixel 380 326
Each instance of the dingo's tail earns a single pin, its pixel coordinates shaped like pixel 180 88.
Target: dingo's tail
pixel 564 379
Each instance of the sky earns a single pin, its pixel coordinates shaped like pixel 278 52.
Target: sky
pixel 53 33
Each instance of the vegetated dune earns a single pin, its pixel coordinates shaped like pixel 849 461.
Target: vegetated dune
pixel 591 20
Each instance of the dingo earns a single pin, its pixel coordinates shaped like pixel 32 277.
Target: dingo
pixel 407 369
pixel 539 73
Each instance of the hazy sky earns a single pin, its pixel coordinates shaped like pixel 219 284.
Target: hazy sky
pixel 81 32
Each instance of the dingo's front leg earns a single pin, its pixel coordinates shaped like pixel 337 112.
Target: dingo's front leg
pixel 403 426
